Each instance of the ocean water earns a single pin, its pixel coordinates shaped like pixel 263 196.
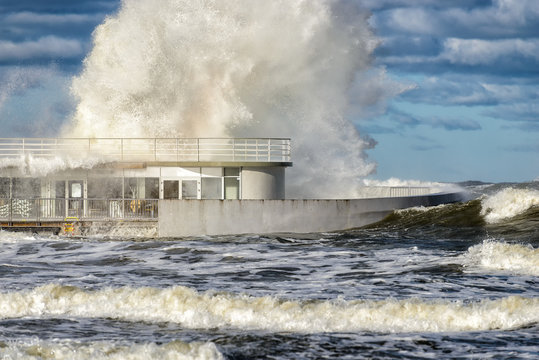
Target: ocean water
pixel 452 281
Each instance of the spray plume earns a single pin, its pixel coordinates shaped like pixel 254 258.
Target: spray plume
pixel 216 68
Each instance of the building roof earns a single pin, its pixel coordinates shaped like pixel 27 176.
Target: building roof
pixel 161 151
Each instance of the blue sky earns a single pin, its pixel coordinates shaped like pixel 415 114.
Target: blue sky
pixel 471 67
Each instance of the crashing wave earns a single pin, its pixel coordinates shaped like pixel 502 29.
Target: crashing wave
pixel 211 309
pixel 495 255
pixel 508 203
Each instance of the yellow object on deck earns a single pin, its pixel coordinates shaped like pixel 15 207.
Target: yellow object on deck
pixel 69 225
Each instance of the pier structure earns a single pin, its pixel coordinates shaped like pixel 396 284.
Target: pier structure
pixel 45 182
pixel 168 187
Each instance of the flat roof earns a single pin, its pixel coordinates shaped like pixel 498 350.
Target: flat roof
pixel 156 151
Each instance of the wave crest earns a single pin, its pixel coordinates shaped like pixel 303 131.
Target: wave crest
pixel 209 310
pixel 508 203
pixel 496 255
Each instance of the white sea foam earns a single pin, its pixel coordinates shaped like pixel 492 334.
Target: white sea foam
pixel 421 209
pixel 38 349
pixel 15 236
pixel 508 203
pixel 240 68
pixel 224 310
pixel 496 255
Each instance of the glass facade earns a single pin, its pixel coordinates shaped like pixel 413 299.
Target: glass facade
pixel 204 183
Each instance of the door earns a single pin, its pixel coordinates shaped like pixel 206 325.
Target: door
pixel 76 196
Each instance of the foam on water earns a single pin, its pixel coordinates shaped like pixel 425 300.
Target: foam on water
pixel 508 203
pixel 186 68
pixel 496 255
pixel 10 237
pixel 210 310
pixel 40 349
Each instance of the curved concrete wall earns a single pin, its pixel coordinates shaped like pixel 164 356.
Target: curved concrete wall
pixel 262 183
pixel 222 217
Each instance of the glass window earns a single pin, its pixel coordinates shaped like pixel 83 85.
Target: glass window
pixel 60 189
pixel 26 188
pixel 232 171
pixel 105 188
pixel 232 188
pixel 171 189
pixel 4 187
pixel 189 189
pixel 232 183
pixel 152 188
pixel 76 190
pixel 131 190
pixel 211 188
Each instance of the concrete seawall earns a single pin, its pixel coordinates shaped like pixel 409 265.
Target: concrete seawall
pixel 224 217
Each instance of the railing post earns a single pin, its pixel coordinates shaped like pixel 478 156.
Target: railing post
pixel 198 149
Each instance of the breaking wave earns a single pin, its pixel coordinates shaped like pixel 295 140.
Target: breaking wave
pixel 507 206
pixel 495 255
pixel 508 203
pixel 212 309
pixel 39 349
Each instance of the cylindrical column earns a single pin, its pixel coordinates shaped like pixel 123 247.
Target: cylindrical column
pixel 267 183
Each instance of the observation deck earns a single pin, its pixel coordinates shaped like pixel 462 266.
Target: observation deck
pixel 125 179
pixel 179 151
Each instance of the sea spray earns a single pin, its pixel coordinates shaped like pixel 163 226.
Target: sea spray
pixel 208 310
pixel 42 166
pixel 217 68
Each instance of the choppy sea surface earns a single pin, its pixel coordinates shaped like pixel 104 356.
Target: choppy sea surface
pixel 452 281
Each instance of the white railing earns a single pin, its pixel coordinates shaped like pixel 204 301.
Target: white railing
pixel 393 191
pixel 398 191
pixel 152 149
pixel 83 209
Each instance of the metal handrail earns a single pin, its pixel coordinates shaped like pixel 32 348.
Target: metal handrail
pixel 152 149
pixel 56 209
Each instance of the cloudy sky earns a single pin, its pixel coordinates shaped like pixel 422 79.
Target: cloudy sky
pixel 471 67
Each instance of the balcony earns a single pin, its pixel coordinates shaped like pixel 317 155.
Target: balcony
pixel 176 150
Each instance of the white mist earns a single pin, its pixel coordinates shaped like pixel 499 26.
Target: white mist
pixel 186 68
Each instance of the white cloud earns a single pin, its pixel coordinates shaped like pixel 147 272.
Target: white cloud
pixel 505 18
pixel 27 17
pixel 482 52
pixel 45 47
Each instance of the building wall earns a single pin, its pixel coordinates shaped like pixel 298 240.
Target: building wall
pixel 218 217
pixel 263 183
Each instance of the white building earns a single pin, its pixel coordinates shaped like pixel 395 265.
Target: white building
pixel 43 181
